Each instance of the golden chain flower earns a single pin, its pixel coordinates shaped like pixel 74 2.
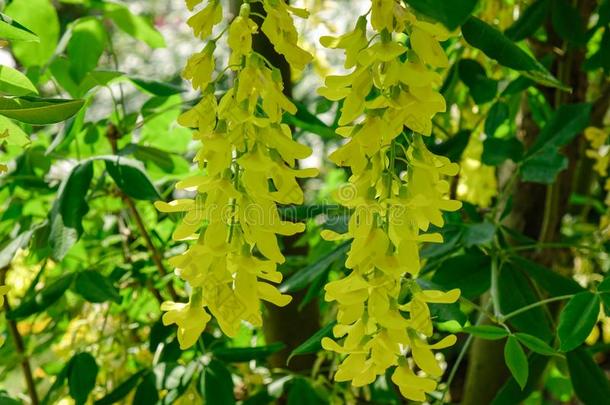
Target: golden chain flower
pixel 383 315
pixel 245 147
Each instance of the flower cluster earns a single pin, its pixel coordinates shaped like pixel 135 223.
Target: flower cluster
pixel 389 100
pixel 599 151
pixel 247 161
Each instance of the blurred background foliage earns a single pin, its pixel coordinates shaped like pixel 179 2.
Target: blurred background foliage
pixel 84 251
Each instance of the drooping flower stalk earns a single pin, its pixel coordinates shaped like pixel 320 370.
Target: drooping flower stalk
pixel 247 163
pixel 389 99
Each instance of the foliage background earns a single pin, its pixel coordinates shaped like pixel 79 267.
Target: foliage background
pixel 84 251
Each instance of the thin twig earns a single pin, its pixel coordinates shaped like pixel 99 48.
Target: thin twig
pixel 20 348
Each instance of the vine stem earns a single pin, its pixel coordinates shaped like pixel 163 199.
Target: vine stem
pixel 534 305
pixel 156 256
pixel 20 348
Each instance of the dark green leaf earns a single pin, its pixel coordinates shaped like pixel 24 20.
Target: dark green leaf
pixel 511 393
pixel 589 381
pixel 121 391
pixel 306 121
pixel 496 116
pixel 217 384
pixel 516 360
pixel 552 282
pixel 451 14
pixel 15 83
pixel 543 161
pixel 157 88
pixel 529 21
pixel 305 276
pixel 244 354
pixel 42 299
pixel 488 332
pixel 577 320
pixel 482 88
pixel 302 393
pixel 39 111
pixel 479 233
pixel 516 292
pixel 81 376
pixel 312 344
pixel 454 147
pixel 534 344
pixel 498 47
pixel 497 150
pixel 6 400
pixel 130 176
pixel 40 17
pixel 601 58
pixel 69 209
pixel 146 393
pixel 470 272
pixel 567 22
pixel 94 287
pixel 11 30
pixel 85 46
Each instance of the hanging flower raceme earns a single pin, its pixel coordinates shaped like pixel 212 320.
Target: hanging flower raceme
pixel 247 161
pixel 389 99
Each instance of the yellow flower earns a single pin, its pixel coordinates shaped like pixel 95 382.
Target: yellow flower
pixel 191 320
pixel 204 21
pixel 200 67
pixel 391 212
pixel 232 223
pixel 352 42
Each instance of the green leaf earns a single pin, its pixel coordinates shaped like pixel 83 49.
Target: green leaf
pixel 451 14
pixel 306 121
pixel 157 88
pixel 497 115
pixel 313 344
pixel 543 161
pixel 11 30
pixel 121 391
pixel 534 344
pixel 81 376
pixel 497 150
pixel 516 360
pixel 94 287
pixel 589 381
pixel 134 25
pixel 577 320
pixel 10 247
pixel 39 111
pixel 482 88
pixel 516 292
pixel 529 21
pixel 601 58
pixel 40 17
pixel 69 209
pixel 245 354
pixel 85 46
pixel 6 400
pixel 498 47
pixel 217 384
pixel 511 393
pixel 146 393
pixel 96 78
pixel 305 276
pixel 552 282
pixel 487 332
pixel 15 83
pixel 478 233
pixel 470 272
pixel 130 176
pixel 302 393
pixel 42 299
pixel 454 147
pixel 567 22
